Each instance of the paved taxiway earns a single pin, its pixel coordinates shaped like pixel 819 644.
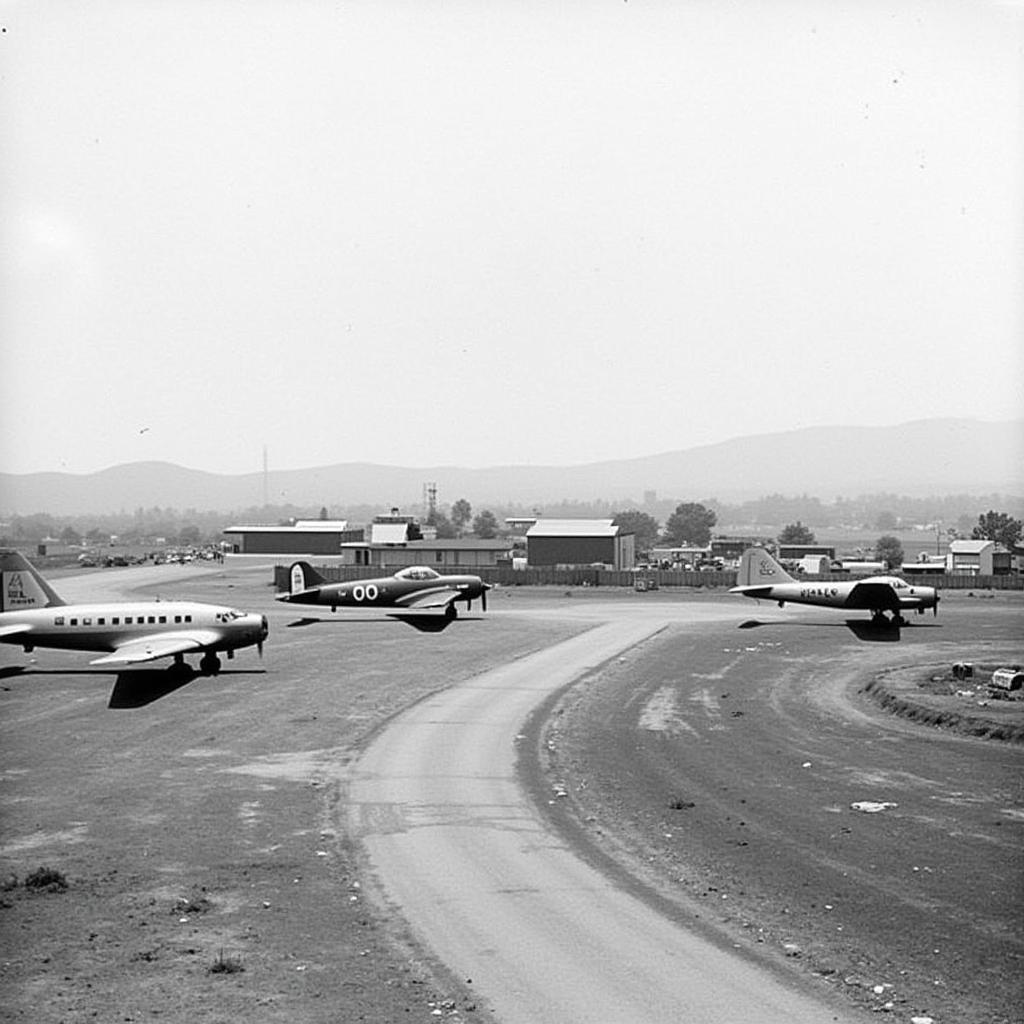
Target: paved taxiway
pixel 460 848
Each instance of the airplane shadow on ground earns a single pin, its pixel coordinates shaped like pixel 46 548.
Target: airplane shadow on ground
pixel 138 688
pixel 425 622
pixel 862 629
pixel 133 689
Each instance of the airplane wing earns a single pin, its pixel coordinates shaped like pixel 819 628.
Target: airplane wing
pixel 19 627
pixel 755 591
pixel 438 597
pixel 873 597
pixel 149 648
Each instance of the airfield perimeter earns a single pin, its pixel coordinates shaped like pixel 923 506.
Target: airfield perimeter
pixel 217 838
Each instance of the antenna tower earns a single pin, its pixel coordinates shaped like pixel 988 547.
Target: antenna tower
pixel 430 501
pixel 266 480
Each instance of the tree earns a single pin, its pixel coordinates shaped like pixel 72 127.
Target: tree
pixel 70 536
pixel 445 528
pixel 885 521
pixel 1000 527
pixel 888 549
pixel 323 513
pixel 690 524
pixel 485 525
pixel 644 528
pixel 189 535
pixel 462 512
pixel 796 533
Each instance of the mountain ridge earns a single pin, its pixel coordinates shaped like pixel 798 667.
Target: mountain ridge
pixel 918 458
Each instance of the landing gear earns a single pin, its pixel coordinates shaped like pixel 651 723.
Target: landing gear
pixel 209 663
pixel 451 613
pixel 180 668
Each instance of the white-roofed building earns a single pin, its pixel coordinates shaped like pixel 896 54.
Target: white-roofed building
pixel 579 542
pixel 971 557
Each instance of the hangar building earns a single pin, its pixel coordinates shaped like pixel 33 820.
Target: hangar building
pixel 303 537
pixel 576 542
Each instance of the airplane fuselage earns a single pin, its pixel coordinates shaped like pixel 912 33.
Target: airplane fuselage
pixel 386 592
pixel 108 626
pixel 875 594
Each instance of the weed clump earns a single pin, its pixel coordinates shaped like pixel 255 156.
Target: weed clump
pixel 45 879
pixel 226 965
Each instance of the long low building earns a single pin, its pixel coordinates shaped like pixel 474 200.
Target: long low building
pixel 437 554
pixel 304 537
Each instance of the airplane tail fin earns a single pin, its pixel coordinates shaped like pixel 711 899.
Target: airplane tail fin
pixel 302 576
pixel 758 568
pixel 21 585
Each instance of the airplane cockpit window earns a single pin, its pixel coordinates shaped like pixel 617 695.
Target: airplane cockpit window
pixel 416 572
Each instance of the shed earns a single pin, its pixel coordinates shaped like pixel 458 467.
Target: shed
pixel 971 557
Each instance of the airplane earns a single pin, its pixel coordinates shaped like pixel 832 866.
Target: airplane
pixel 760 576
pixel 127 632
pixel 412 589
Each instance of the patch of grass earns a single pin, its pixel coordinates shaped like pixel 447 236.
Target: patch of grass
pixel 46 879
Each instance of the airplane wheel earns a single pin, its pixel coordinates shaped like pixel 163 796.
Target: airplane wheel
pixel 451 612
pixel 210 664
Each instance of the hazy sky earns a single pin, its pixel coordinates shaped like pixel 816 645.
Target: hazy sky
pixel 481 233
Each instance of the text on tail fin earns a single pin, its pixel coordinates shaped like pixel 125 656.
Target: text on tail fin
pixel 298 579
pixel 21 586
pixel 757 566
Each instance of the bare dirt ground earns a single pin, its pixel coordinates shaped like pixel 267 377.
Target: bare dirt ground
pixel 198 828
pixel 752 784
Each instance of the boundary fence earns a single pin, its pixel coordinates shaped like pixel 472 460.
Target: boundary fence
pixel 587 577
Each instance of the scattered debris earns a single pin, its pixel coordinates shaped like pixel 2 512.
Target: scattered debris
pixel 678 804
pixel 191 905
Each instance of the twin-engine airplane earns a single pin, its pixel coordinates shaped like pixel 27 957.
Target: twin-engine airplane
pixel 760 576
pixel 32 615
pixel 413 589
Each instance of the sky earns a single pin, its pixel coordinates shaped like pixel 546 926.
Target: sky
pixel 492 233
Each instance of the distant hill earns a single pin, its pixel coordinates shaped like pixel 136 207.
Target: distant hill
pixel 926 457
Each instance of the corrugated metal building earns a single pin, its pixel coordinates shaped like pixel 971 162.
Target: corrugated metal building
pixel 576 542
pixel 304 537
